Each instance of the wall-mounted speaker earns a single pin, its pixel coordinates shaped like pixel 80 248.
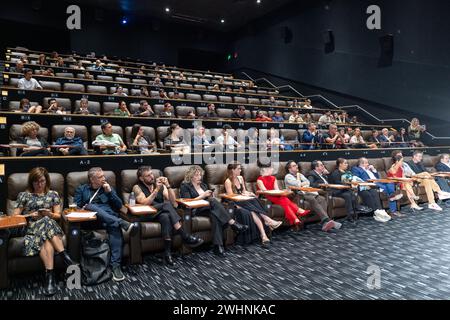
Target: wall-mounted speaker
pixel 386 51
pixel 328 41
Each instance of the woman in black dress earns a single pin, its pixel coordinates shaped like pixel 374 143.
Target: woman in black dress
pixel 252 209
pixel 193 187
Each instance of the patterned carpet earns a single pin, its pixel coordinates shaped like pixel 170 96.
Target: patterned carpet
pixel 413 254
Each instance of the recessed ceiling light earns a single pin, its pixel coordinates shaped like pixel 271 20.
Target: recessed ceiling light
pixel 167 9
pixel 222 21
pixel 258 1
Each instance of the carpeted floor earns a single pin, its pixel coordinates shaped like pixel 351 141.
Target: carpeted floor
pixel 413 254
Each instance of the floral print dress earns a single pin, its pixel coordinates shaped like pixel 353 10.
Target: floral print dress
pixel 38 231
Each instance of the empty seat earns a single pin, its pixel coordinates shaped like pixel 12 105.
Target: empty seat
pixel 139 81
pixel 240 100
pixel 154 94
pixel 104 78
pixel 109 107
pixel 200 86
pixel 183 111
pixel 224 113
pixel 250 91
pixel 209 97
pixel 193 96
pixel 281 102
pixel 122 79
pixel 186 85
pixel 180 94
pixel 64 75
pixel 50 85
pixel 14 82
pixel 169 84
pixel 135 92
pixel 205 80
pixel 262 91
pixel 133 107
pixel 97 89
pixel 73 87
pixel 226 99
pixel 254 101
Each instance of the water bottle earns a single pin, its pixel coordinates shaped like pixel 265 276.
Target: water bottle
pixel 132 199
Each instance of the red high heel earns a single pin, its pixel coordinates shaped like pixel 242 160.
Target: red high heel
pixel 304 213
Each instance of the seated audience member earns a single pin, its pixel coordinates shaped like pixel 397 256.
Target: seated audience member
pixel 28 82
pixel 119 92
pixel 374 140
pixel 278 117
pixel 19 68
pixel 145 110
pixel 260 116
pixel 369 196
pixel 144 92
pixel 84 108
pixel 121 70
pixel 443 166
pixel 60 62
pixel 48 72
pixel 43 235
pixel 88 76
pixel 365 171
pixel 215 87
pixel 200 141
pixel 37 146
pixel 307 104
pixel 193 187
pixel 210 112
pixel 122 110
pixel 157 192
pixel 25 106
pixel 156 82
pixel 307 117
pixel 344 135
pixel 74 143
pixel 320 175
pixel 98 66
pixel 54 107
pixel 240 113
pixel 415 131
pixel 402 139
pixel 357 140
pixel 252 139
pixel 326 119
pixel 163 94
pixel 241 90
pixel 354 120
pixel 268 182
pixel 79 66
pixel 98 196
pixel 295 117
pixel 175 140
pixel 225 140
pixel 318 203
pixel 109 142
pixel 191 115
pixel 385 138
pixel 332 139
pixel 141 142
pixel 399 169
pixel 167 111
pixel 310 138
pixel 228 90
pixel 42 60
pixel 272 102
pixel 426 180
pixel 250 212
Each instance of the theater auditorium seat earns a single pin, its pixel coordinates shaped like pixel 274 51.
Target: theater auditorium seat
pixel 73 87
pixel 80 131
pixel 94 106
pixel 183 111
pixel 14 105
pixel 109 107
pixel 97 89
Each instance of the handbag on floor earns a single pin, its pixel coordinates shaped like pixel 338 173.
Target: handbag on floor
pixel 95 257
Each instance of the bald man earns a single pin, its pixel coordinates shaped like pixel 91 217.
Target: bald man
pixel 74 144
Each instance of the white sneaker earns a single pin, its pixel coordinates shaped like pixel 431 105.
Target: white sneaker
pixel 382 216
pixel 380 219
pixel 444 196
pixel 434 206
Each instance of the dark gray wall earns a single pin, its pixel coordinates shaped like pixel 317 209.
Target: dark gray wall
pixel 418 80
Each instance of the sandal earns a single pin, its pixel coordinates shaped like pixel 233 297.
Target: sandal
pixel 275 225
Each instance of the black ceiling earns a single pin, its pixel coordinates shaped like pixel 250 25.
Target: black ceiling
pixel 203 13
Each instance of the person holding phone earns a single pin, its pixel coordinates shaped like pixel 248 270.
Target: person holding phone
pixel 43 235
pixel 415 131
pixel 158 193
pixel 193 187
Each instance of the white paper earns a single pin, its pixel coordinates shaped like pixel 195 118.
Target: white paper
pixel 242 198
pixel 197 202
pixel 140 209
pixel 273 192
pixel 76 214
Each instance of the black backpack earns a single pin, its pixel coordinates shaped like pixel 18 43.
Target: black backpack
pixel 95 257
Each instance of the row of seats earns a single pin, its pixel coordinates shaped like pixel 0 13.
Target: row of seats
pixel 148 238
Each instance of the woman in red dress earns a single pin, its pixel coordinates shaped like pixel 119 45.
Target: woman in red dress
pixel 268 182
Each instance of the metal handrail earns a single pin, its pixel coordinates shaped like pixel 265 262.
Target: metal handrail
pixel 343 107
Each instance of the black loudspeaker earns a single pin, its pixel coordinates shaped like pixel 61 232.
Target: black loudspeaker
pixel 288 35
pixel 328 41
pixel 386 51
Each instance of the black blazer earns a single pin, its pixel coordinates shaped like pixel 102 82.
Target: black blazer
pixel 416 167
pixel 336 177
pixel 315 179
pixel 188 191
pixel 442 167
